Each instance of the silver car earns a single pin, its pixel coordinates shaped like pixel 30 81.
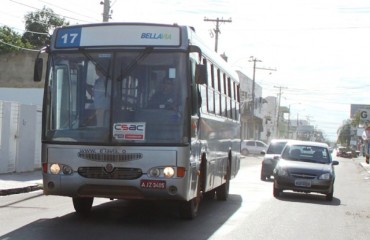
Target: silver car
pixel 252 147
pixel 305 167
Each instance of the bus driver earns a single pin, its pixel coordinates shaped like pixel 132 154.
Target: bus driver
pixel 165 97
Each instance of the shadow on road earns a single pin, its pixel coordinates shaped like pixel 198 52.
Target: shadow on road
pixel 133 220
pixel 308 198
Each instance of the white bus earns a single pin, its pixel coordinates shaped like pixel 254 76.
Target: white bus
pixel 102 136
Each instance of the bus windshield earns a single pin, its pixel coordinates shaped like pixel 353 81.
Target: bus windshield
pixel 117 97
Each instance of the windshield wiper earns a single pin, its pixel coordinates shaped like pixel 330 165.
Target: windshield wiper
pixel 130 67
pixel 99 67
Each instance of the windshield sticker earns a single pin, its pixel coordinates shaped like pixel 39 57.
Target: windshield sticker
pixel 129 131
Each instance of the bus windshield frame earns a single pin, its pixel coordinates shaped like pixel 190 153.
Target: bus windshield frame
pixel 104 97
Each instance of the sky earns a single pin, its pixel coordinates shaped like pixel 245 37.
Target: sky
pixel 318 50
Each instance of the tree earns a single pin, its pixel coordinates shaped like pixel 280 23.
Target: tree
pixel 344 133
pixel 11 41
pixel 39 26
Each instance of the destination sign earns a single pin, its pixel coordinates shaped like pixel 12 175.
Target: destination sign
pixel 117 35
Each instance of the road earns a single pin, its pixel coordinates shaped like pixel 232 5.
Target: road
pixel 251 212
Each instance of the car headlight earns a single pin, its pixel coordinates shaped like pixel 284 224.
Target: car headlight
pixel 281 171
pixel 325 176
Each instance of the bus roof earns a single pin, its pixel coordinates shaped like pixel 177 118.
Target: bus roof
pixel 117 34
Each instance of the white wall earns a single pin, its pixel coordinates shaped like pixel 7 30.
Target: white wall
pixel 20 141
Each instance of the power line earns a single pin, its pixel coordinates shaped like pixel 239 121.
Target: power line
pixel 40 33
pixel 11 45
pixel 67 10
pixel 64 16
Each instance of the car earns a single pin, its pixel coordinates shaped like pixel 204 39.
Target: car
pixel 343 152
pixel 305 167
pixel 271 156
pixel 252 147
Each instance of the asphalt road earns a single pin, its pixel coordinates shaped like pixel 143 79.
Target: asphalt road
pixel 251 212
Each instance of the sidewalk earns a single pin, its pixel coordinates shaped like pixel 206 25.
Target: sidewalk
pixel 361 161
pixel 14 183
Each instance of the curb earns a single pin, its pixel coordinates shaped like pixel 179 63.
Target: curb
pixel 27 189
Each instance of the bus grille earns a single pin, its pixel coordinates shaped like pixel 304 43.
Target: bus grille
pixel 117 173
pixel 109 157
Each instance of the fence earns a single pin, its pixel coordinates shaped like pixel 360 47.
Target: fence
pixel 20 138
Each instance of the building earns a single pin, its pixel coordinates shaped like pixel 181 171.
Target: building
pixel 251 108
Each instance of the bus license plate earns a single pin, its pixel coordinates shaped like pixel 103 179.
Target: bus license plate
pixel 302 183
pixel 154 184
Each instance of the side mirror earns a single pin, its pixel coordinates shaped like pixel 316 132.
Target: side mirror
pixel 201 76
pixel 37 71
pixel 335 163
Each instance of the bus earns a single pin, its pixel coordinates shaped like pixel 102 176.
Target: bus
pixel 102 137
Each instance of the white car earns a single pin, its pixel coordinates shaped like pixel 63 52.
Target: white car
pixel 252 147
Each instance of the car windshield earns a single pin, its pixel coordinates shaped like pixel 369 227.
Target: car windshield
pixel 276 147
pixel 307 153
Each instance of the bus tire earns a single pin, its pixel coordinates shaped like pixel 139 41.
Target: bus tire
pixel 210 195
pixel 82 205
pixel 222 192
pixel 189 210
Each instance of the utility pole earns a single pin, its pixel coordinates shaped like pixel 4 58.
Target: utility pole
pixel 217 29
pixel 106 11
pixel 254 60
pixel 278 110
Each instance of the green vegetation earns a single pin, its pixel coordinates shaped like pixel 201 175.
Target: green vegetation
pixel 37 28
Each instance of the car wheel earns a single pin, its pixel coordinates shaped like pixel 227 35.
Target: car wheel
pixel 263 177
pixel 83 205
pixel 245 151
pixel 276 191
pixel 329 196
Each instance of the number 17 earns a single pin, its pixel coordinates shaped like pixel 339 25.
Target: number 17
pixel 69 37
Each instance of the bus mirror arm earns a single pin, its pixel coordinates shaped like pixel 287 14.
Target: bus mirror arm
pixel 39 62
pixel 37 72
pixel 201 69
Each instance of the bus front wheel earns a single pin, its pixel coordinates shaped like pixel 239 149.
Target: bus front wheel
pixel 82 205
pixel 222 192
pixel 189 209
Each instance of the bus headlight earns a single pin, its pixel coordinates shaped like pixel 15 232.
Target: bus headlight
pixel 155 172
pixel 67 170
pixel 162 172
pixel 168 172
pixel 54 168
